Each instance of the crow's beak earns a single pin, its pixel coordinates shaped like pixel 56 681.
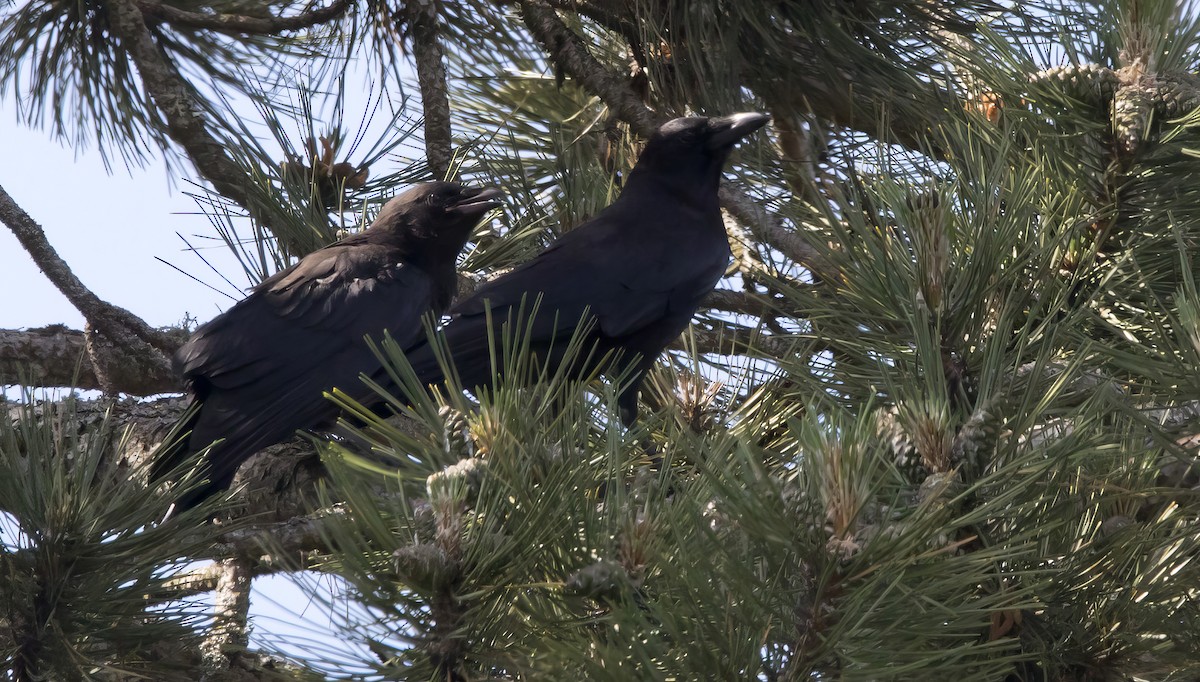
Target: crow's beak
pixel 476 201
pixel 729 130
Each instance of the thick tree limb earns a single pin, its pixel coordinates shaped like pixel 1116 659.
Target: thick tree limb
pixel 237 23
pixel 173 97
pixel 278 544
pixel 265 550
pixel 128 331
pixel 54 356
pixel 105 316
pixel 769 229
pixel 424 26
pixel 228 636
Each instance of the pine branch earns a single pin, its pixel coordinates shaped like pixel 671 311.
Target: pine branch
pixel 424 25
pixel 228 636
pixel 567 50
pixel 742 302
pixel 129 332
pixel 798 156
pixel 843 96
pixel 30 635
pixel 264 550
pixel 853 104
pixel 51 356
pixel 287 539
pixel 179 109
pixel 617 17
pixel 237 23
pixel 769 228
pixel 737 340
pixel 104 315
pixel 174 100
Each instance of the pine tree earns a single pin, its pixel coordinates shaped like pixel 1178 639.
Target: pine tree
pixel 940 419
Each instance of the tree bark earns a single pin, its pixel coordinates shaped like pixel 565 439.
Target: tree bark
pixel 236 23
pixel 424 27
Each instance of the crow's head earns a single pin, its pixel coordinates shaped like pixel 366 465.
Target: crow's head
pixel 435 206
pixel 697 147
pixel 442 213
pixel 433 220
pixel 712 134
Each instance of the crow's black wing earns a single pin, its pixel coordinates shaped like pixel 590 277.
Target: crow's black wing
pixel 260 369
pixel 305 315
pixel 624 277
pixel 595 268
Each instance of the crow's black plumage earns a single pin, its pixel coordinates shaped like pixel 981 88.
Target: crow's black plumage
pixel 259 369
pixel 639 269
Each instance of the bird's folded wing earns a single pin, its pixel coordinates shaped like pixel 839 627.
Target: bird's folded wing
pixel 299 319
pixel 565 285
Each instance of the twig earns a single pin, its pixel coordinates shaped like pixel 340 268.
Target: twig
pixel 796 150
pixel 737 340
pixel 237 23
pixel 769 228
pixel 743 302
pixel 424 26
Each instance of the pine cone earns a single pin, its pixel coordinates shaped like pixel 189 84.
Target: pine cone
pixel 459 481
pixel 903 448
pixel 602 581
pixel 423 521
pixel 455 439
pixel 931 231
pixel 425 567
pixel 1177 95
pixel 976 440
pixel 1115 525
pixel 1177 473
pixel 939 489
pixel 1089 83
pixel 1131 109
pixel 927 423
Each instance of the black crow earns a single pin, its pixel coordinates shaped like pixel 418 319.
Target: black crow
pixel 259 369
pixel 636 272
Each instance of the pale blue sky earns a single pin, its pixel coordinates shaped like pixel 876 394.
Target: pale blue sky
pixel 108 228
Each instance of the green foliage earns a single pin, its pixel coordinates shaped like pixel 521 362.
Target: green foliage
pixel 959 440
pixel 68 74
pixel 308 176
pixel 87 558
